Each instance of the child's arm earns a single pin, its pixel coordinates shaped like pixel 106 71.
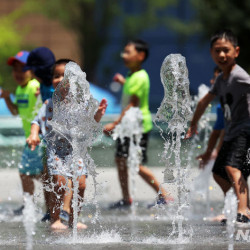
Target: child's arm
pixel 33 140
pixel 217 149
pixel 200 109
pixel 134 102
pixel 119 78
pixel 101 110
pixel 11 106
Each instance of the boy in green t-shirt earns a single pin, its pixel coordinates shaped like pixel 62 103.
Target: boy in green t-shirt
pixel 135 94
pixel 27 92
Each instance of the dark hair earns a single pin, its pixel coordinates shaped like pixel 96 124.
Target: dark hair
pixel 61 61
pixel 227 34
pixel 140 46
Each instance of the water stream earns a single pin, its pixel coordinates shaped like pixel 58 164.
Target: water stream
pixel 73 122
pixel 131 127
pixel 175 110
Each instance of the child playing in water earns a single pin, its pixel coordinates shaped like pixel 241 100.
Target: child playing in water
pixel 31 166
pixel 60 181
pixel 135 94
pixel 231 167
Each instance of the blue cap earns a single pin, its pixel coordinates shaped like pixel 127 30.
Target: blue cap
pixel 41 57
pixel 21 56
pixel 41 61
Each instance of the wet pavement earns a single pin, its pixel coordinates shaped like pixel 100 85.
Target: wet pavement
pixel 147 229
pixel 111 229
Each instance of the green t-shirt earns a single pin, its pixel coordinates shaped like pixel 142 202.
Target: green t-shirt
pixel 138 84
pixel 26 102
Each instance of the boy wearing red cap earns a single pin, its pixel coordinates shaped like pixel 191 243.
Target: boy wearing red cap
pixel 24 105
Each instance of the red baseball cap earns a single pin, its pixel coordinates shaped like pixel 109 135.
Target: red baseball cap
pixel 21 56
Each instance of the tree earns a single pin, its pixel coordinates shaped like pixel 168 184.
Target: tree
pixel 11 42
pixel 92 21
pixel 213 15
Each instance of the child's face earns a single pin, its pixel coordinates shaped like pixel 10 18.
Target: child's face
pixel 57 78
pixel 224 54
pixel 58 74
pixel 131 56
pixel 20 77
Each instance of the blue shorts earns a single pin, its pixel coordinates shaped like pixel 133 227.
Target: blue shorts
pixel 32 161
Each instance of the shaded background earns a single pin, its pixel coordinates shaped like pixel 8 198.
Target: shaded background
pixel 93 33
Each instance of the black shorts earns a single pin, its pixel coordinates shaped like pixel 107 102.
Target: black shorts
pixel 234 153
pixel 122 149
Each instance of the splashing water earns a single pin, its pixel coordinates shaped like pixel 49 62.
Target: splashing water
pixel 201 184
pixel 204 122
pixel 73 129
pixel 202 91
pixel 201 188
pixel 175 110
pixel 29 219
pixel 230 211
pixel 131 127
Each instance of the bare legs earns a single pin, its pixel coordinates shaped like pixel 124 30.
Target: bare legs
pixel 27 183
pixel 144 172
pixel 148 176
pixel 224 185
pixel 240 187
pixel 123 177
pixel 63 193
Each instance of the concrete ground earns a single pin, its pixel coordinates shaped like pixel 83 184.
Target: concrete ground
pixel 108 189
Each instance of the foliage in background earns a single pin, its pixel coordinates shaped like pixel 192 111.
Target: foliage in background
pixel 92 21
pixel 11 42
pixel 213 15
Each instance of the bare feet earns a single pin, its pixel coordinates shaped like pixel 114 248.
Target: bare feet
pixel 81 226
pixel 217 218
pixel 58 225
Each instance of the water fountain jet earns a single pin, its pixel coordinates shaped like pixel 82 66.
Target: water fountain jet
pixel 175 110
pixel 131 127
pixel 73 120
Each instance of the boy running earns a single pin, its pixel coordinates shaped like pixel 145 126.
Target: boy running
pixel 231 167
pixel 135 94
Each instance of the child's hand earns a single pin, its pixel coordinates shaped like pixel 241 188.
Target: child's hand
pixel 191 131
pixel 33 140
pixel 108 128
pixel 5 94
pixel 101 110
pixel 119 78
pixel 214 154
pixel 203 158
